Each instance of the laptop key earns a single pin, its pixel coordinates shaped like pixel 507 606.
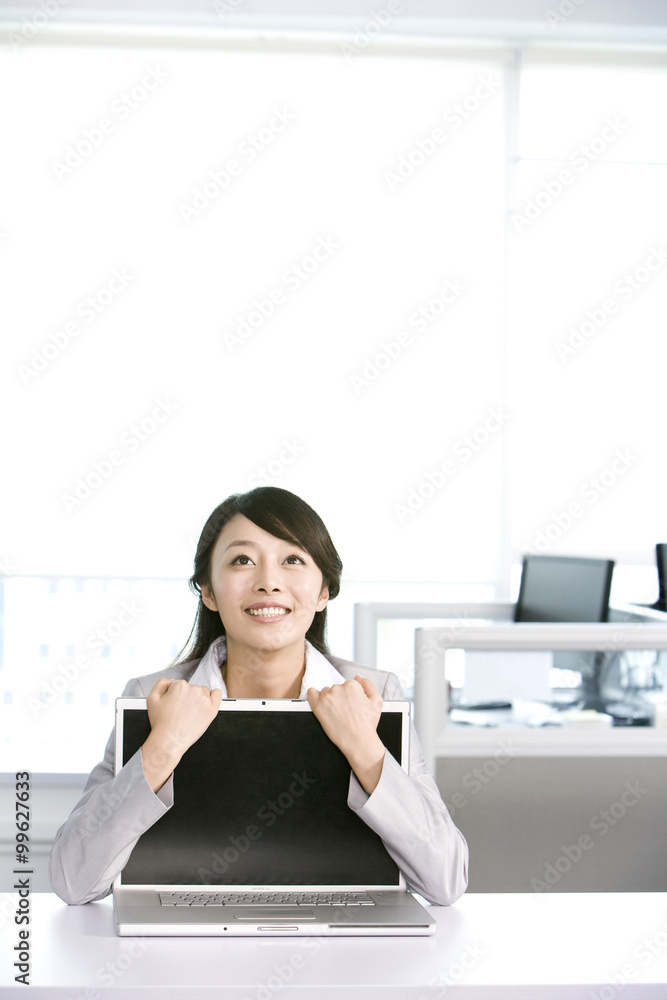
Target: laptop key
pixel 266 899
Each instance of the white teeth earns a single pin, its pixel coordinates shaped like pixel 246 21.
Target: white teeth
pixel 268 612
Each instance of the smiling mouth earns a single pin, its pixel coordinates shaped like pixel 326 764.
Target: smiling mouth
pixel 268 612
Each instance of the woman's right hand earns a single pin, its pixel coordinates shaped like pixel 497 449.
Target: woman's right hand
pixel 179 713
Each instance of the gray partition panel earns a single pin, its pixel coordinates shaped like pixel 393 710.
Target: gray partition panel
pixel 560 824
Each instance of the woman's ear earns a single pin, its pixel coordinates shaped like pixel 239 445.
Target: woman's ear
pixel 323 598
pixel 208 597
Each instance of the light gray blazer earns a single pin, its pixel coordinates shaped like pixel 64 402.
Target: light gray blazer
pixel 406 811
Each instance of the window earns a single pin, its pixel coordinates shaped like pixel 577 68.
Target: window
pixel 228 266
pixel 587 283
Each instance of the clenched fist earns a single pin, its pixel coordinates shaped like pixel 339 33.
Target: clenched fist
pixel 349 714
pixel 179 713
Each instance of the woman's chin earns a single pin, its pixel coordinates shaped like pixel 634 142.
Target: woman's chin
pixel 271 639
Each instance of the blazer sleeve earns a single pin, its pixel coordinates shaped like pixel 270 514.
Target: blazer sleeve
pixel 92 847
pixel 407 812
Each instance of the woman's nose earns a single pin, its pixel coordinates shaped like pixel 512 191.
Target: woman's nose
pixel 267 580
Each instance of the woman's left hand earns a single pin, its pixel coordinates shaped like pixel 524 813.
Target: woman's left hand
pixel 349 714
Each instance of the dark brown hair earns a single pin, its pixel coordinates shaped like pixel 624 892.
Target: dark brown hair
pixel 284 515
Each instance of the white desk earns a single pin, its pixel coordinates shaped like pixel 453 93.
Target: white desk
pixel 487 947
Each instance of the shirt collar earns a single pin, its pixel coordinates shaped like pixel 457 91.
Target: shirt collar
pixel 319 672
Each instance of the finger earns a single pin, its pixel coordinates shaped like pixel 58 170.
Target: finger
pixel 313 696
pixel 161 685
pixel 369 687
pixel 216 698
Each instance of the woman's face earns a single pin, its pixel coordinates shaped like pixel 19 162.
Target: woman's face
pixel 265 590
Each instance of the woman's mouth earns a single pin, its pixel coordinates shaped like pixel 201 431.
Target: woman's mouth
pixel 268 613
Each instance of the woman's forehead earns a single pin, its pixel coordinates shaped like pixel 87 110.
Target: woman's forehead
pixel 241 530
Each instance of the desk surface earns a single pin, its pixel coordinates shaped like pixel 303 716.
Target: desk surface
pixel 505 947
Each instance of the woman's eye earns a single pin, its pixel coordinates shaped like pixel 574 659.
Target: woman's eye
pixel 242 560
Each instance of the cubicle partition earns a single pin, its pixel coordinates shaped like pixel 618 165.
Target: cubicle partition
pixel 570 809
pixel 576 808
pixel 368 615
pixel 432 645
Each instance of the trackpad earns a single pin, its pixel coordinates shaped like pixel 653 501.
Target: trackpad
pixel 289 913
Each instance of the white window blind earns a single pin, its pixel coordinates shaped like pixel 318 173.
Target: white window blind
pixel 226 266
pixel 588 286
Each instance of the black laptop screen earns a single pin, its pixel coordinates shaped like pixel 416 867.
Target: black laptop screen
pixel 260 799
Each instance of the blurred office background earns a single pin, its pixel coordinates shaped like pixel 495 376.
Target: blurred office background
pixel 407 260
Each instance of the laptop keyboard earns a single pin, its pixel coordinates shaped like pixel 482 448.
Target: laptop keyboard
pixel 266 898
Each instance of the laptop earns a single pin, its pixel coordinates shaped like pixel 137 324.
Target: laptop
pixel 260 840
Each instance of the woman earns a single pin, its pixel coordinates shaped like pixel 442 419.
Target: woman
pixel 265 568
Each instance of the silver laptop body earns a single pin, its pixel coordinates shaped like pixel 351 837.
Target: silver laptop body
pixel 260 839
